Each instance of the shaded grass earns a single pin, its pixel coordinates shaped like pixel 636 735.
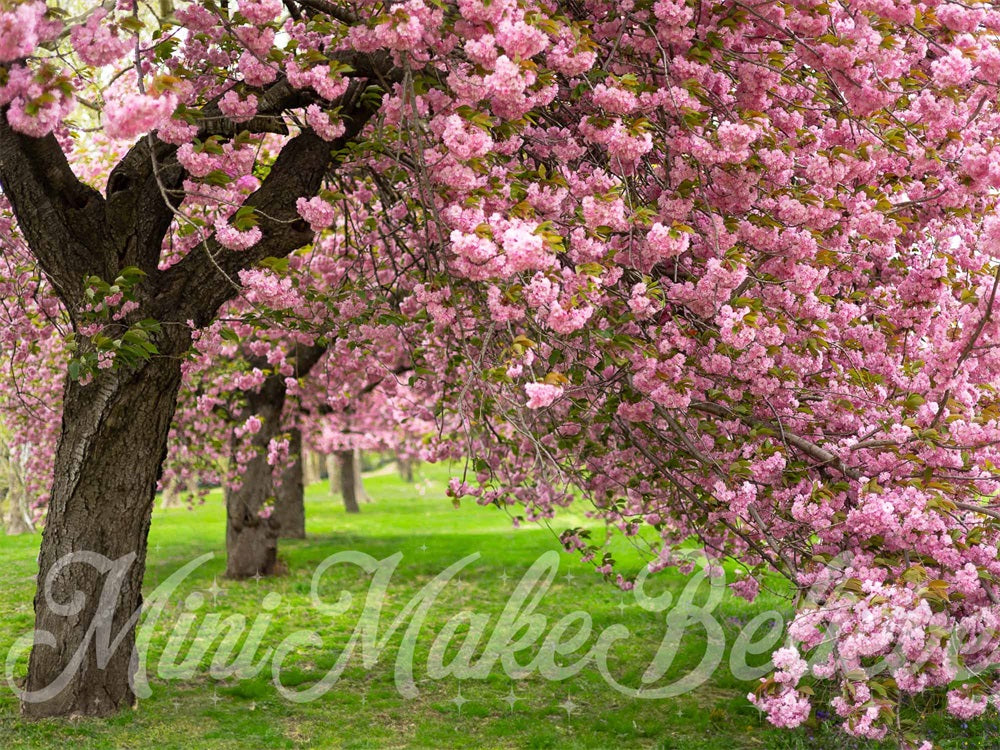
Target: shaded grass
pixel 364 708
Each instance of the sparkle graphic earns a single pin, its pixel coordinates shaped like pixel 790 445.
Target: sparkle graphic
pixel 459 700
pixel 569 577
pixel 510 699
pixel 504 577
pixel 423 547
pixel 214 590
pixel 622 606
pixel 568 706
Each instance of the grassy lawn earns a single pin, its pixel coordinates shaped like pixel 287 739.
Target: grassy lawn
pixel 364 708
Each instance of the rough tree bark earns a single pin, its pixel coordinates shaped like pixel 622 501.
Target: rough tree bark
pixel 114 429
pixel 103 490
pixel 101 503
pixel 252 540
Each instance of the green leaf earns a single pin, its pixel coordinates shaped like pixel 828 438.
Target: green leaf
pixel 278 265
pixel 245 218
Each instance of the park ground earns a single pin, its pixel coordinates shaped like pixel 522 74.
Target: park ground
pixel 364 708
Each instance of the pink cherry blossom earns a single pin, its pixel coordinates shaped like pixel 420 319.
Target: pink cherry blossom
pixel 541 395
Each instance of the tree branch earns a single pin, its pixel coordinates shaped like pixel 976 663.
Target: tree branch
pixel 148 178
pixel 62 219
pixel 331 9
pixel 812 450
pixel 198 285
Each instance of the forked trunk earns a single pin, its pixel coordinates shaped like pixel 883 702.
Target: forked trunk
pixel 348 480
pixel 114 430
pixel 289 508
pixel 93 552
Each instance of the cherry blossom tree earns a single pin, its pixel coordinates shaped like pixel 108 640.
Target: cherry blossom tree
pixel 137 268
pixel 381 411
pixel 241 420
pixel 723 270
pixel 248 395
pixel 742 284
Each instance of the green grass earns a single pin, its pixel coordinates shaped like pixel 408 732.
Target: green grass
pixel 364 709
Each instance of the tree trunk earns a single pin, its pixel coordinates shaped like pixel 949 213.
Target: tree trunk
pixel 333 472
pixel 312 463
pixel 113 442
pixel 169 498
pixel 252 534
pixel 405 466
pixel 348 480
pixel 114 430
pixel 18 517
pixel 173 492
pixel 359 482
pixel 289 506
pixel 251 530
